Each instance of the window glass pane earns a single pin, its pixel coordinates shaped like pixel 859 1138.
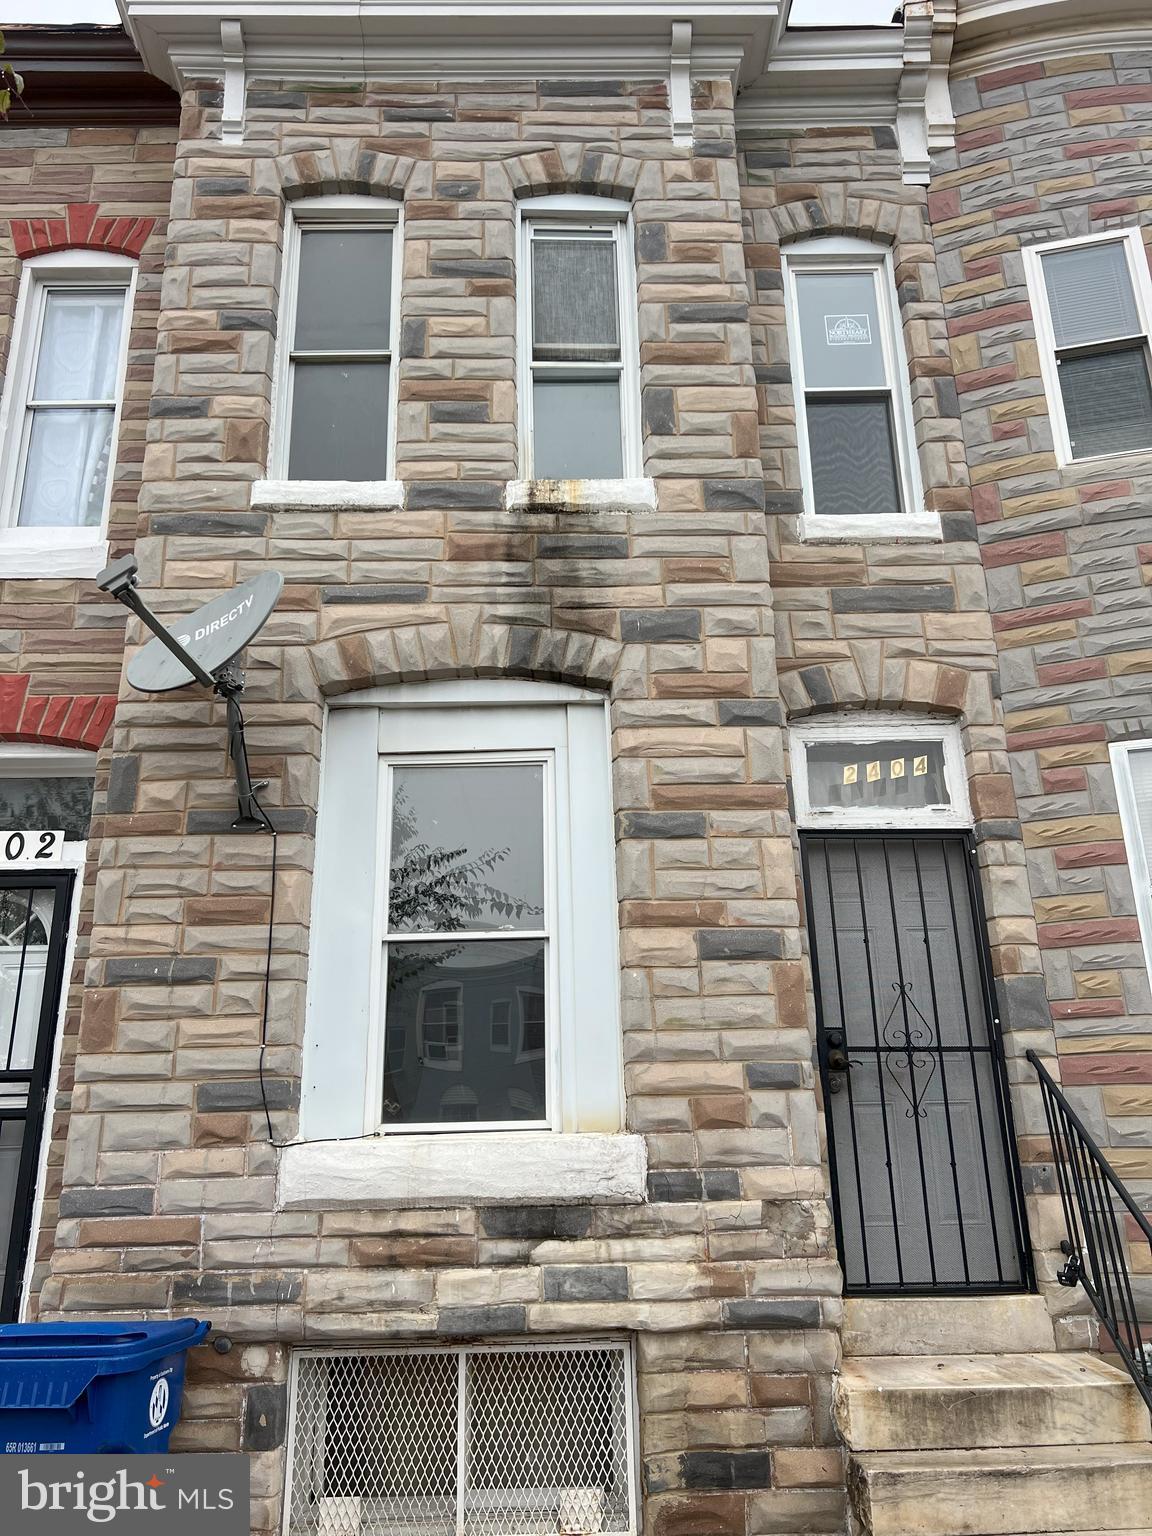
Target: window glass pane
pixel 1090 294
pixel 467 848
pixel 25 927
pixel 11 1145
pixel 576 429
pixel 440 1063
pixel 853 449
pixel 339 421
pixel 1140 769
pixel 574 300
pixel 344 290
pixel 66 470
pixel 79 344
pixel 840 330
pixel 45 804
pixel 891 775
pixel 1107 400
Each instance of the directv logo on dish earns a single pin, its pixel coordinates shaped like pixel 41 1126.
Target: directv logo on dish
pixel 217 624
pixel 198 1495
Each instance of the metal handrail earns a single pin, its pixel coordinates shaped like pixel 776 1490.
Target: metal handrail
pixel 1102 1221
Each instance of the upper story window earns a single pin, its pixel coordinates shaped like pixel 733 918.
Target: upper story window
pixel 464 936
pixel 850 373
pixel 580 413
pixel 61 404
pixel 1092 300
pixel 335 404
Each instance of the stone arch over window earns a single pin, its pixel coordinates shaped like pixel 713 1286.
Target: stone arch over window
pixel 83 227
pixel 344 168
pixel 572 168
pixel 53 719
pixel 834 211
pixel 917 684
pixel 418 653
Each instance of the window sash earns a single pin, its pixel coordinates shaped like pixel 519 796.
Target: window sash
pixel 27 405
pixel 371 215
pixel 616 228
pixel 545 935
pixel 1051 355
pixel 895 388
pixel 875 731
pixel 1133 778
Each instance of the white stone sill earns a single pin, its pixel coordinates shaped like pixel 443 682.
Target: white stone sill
pixel 50 553
pixel 580 496
pixel 923 527
pixel 328 495
pixel 500 1168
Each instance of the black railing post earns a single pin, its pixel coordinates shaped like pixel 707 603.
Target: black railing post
pixel 1097 1208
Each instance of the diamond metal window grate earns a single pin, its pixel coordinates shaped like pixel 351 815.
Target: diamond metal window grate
pixel 474 1441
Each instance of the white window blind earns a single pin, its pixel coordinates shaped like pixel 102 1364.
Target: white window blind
pixel 474 1441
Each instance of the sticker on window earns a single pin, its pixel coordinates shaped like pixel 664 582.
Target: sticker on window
pixel 848 330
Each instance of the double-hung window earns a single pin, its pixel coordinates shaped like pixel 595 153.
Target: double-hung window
pixel 578 355
pixel 850 377
pixel 336 379
pixel 1093 305
pixel 1132 766
pixel 464 972
pixel 61 407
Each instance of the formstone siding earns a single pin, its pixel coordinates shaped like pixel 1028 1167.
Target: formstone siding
pixel 61 641
pixel 1047 150
pixel 725 1277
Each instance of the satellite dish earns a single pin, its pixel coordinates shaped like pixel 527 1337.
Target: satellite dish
pixel 211 636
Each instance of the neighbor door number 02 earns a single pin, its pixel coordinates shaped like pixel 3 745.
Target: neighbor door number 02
pixel 31 847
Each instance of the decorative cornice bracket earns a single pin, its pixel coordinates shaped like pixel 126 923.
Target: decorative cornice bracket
pixel 912 92
pixel 235 82
pixel 680 82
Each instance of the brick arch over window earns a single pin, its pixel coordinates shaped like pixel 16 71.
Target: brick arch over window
pixel 932 687
pixel 53 719
pixel 420 653
pixel 83 227
pixel 344 167
pixel 834 211
pixel 572 168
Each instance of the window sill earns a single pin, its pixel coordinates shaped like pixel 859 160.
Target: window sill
pixel 580 496
pixel 922 527
pixel 501 1168
pixel 328 495
pixel 51 553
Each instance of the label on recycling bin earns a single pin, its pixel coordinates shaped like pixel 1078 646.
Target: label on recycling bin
pixel 63 1494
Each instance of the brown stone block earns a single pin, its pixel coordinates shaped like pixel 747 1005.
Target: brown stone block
pixel 698 568
pixel 671 914
pixel 247 207
pixel 697 1514
pixel 245 442
pixel 444 389
pixel 690 352
pixel 214 910
pixel 139 1231
pixel 780 1392
pixel 797 1467
pixel 219 1130
pixel 992 796
pixel 701 685
pixel 412 1252
pixel 98 1020
pixel 719 1111
pixel 720 797
pixel 488 546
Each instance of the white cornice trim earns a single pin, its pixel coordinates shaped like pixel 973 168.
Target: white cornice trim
pixel 235 82
pixel 997 34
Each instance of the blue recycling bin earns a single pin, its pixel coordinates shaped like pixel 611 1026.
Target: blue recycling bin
pixel 112 1387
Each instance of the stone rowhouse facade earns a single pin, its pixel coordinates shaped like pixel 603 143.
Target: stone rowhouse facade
pixel 707 623
pixel 1054 147
pixel 89 167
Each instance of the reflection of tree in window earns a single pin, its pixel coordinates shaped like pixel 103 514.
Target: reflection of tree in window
pixel 45 805
pixel 20 922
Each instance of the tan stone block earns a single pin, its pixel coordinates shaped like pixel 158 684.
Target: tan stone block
pixel 956 292
pixel 657 946
pixel 1098 983
pixel 1135 1099
pixel 1003 469
pixel 1071 829
pixel 1039 634
pixel 797 1467
pixel 1070 909
pixel 1041 501
pixel 1016 410
pixel 1073 755
pixel 1051 185
pixel 1081 116
pixel 1127 663
pixel 1037 719
pixel 1035 571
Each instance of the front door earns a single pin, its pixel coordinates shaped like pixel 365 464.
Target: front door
pixel 33 935
pixel 925 1178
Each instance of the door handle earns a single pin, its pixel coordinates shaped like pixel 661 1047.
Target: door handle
pixel 838 1061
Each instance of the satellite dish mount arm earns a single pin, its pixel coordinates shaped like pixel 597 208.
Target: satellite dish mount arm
pixel 119 580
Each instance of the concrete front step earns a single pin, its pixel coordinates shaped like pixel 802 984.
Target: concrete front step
pixel 947 1325
pixel 1010 1492
pixel 929 1402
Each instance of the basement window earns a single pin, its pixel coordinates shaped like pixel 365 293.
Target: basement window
pixel 479 1440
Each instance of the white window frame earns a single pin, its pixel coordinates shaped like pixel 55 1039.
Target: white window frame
pixel 1139 870
pixel 879 728
pixel 343 211
pixel 839 254
pixel 577 213
pixel 1133 245
pixel 551 1346
pixel 584 1040
pixel 63 550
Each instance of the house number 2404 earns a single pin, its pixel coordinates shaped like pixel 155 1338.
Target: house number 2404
pixel 31 847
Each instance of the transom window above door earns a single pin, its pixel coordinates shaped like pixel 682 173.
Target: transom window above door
pixel 335 380
pixel 878 771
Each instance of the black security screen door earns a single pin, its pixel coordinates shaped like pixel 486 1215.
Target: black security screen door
pixel 33 930
pixel 925 1178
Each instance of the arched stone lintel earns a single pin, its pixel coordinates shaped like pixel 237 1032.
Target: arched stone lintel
pixel 572 168
pixel 926 686
pixel 344 167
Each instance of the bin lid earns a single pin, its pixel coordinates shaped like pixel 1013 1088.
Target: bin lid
pixel 48 1365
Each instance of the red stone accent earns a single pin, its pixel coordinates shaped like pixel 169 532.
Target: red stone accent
pixel 944 205
pixel 1071 672
pixel 1049 613
pixel 1118 208
pixel 986 378
pixel 1056 736
pixel 84 228
pixel 1014 76
pixel 1101 147
pixel 1102 930
pixel 1060 781
pixel 1116 1067
pixel 986 319
pixel 1090 1008
pixel 979 138
pixel 1090 855
pixel 1105 490
pixel 59 720
pixel 1108 95
pixel 1041 546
